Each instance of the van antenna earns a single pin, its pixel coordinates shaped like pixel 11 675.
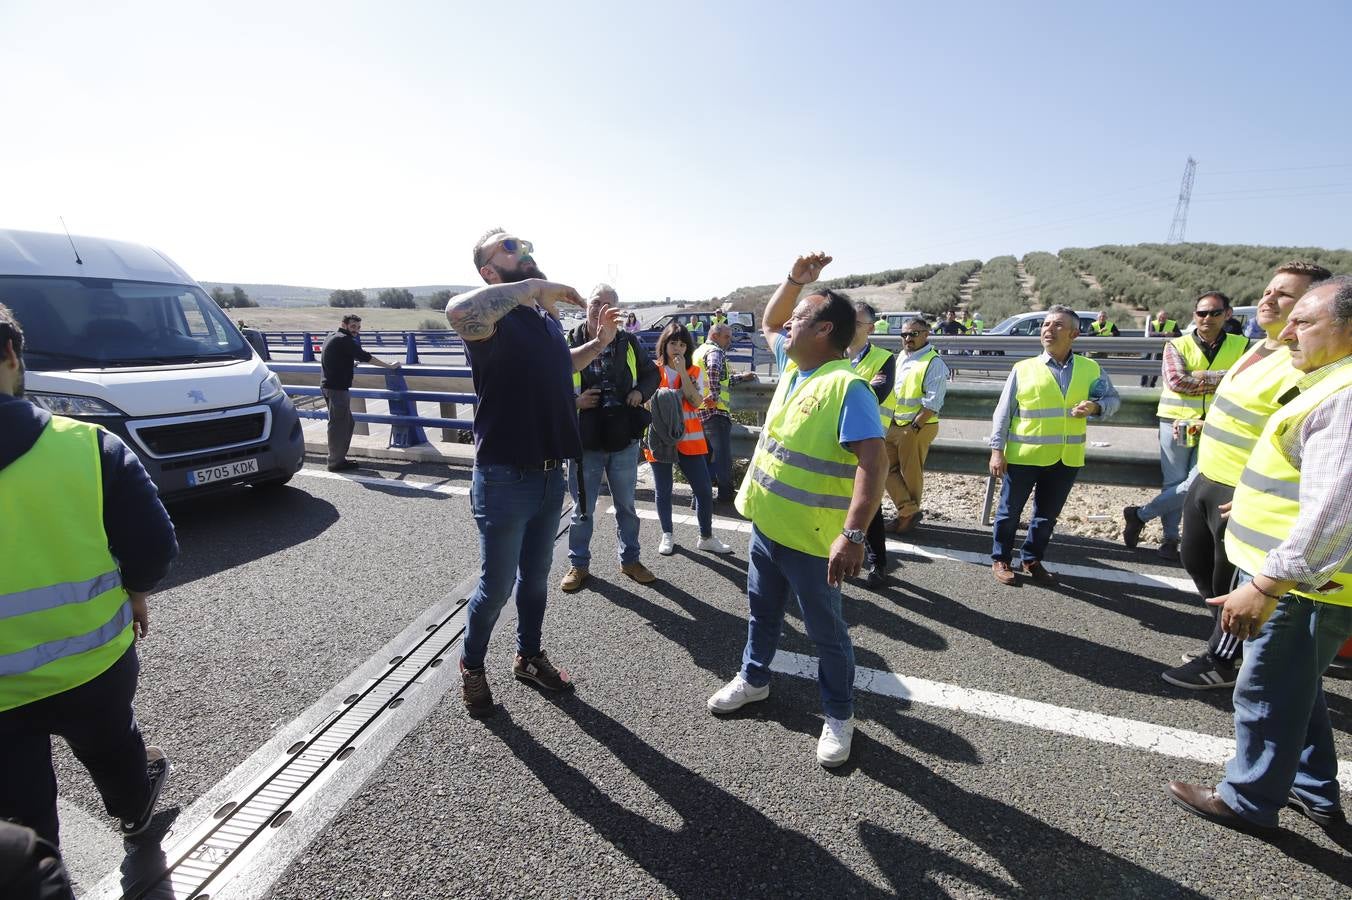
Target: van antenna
pixel 78 261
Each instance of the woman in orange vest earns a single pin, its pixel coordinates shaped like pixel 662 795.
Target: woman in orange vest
pixel 673 362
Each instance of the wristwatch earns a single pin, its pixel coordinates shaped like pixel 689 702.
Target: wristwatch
pixel 854 535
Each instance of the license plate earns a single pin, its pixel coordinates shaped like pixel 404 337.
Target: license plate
pixel 222 473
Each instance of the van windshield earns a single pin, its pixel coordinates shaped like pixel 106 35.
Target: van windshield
pixel 73 323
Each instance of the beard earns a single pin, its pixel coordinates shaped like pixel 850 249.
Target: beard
pixel 525 268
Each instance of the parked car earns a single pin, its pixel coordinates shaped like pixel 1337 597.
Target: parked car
pixel 895 320
pixel 118 335
pixel 740 322
pixel 1241 314
pixel 1030 323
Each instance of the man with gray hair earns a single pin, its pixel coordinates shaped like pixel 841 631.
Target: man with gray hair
pixel 610 392
pixel 715 412
pixel 1038 441
pixel 1290 538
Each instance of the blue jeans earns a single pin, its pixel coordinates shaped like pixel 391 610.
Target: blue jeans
pixel 621 470
pixel 1283 738
pixel 696 472
pixel 718 432
pixel 517 511
pixel 1049 486
pixel 1177 463
pixel 773 572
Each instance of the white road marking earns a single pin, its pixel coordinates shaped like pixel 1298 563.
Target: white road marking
pixel 1092 726
pixel 1093 573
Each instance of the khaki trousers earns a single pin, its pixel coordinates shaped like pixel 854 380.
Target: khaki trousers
pixel 906 452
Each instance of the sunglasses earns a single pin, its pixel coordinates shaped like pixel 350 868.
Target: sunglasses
pixel 517 247
pixel 911 334
pixel 1210 313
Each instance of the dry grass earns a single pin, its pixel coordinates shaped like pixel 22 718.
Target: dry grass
pixel 322 319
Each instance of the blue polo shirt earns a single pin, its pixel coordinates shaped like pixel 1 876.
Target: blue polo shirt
pixel 523 377
pixel 859 420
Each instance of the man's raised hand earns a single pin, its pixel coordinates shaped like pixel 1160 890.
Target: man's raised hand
pixel 608 325
pixel 549 294
pixel 808 268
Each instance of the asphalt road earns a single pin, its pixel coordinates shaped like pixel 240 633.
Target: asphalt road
pixel 630 788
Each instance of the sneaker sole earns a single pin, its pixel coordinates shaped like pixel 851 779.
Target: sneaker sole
pixel 1196 687
pixel 156 788
pixel 833 763
pixel 727 709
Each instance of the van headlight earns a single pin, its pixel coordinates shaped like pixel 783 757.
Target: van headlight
pixel 72 404
pixel 270 387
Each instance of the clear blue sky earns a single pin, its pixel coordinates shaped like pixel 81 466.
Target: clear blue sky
pixel 681 150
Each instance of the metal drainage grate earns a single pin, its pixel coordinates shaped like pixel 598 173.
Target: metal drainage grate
pixel 244 824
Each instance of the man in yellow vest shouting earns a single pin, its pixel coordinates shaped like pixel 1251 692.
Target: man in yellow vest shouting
pixel 85 539
pixel 1245 398
pixel 1290 537
pixel 814 483
pixel 1194 365
pixel 1038 441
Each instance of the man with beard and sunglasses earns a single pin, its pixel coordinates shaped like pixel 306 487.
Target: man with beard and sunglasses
pixel 525 427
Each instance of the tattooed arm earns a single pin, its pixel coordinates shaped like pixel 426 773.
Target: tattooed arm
pixel 474 315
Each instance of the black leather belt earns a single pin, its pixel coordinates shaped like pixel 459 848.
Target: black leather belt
pixel 546 466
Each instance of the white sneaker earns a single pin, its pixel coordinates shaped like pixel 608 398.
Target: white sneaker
pixel 713 545
pixel 833 747
pixel 668 545
pixel 736 694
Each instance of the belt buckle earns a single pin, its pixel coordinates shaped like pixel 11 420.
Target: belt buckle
pixel 549 465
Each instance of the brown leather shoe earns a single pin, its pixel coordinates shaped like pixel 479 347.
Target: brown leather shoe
pixel 1038 572
pixel 1003 573
pixel 639 572
pixel 1206 803
pixel 573 581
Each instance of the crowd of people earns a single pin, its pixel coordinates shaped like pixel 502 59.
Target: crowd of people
pixel 1256 470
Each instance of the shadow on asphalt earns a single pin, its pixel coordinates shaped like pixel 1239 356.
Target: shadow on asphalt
pixel 224 531
pixel 1064 548
pixel 727 847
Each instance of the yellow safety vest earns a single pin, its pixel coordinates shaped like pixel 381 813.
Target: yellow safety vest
pixel 633 371
pixel 970 325
pixel 909 387
pixel 1170 325
pixel 64 615
pixel 798 487
pixel 1101 330
pixel 1180 406
pixel 882 326
pixel 724 391
pixel 1267 498
pixel 1240 408
pixel 1044 432
pixel 871 365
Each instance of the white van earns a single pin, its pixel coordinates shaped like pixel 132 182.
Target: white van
pixel 118 335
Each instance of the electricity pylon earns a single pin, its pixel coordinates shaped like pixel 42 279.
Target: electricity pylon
pixel 1180 223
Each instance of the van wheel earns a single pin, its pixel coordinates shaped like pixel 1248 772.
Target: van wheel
pixel 273 482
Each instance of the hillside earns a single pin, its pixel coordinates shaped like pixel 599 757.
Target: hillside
pixel 1127 278
pixel 286 295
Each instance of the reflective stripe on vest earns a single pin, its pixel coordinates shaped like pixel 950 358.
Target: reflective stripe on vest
pixel 1267 497
pixel 724 397
pixel 1180 406
pixel 693 443
pixel 1242 404
pixel 910 387
pixel 64 616
pixel 633 371
pixel 800 482
pixel 871 365
pixel 1043 432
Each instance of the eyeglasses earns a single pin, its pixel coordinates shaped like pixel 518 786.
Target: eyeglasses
pixel 911 334
pixel 517 247
pixel 1210 313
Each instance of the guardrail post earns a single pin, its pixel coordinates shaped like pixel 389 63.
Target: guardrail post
pixel 411 354
pixel 403 434
pixel 307 352
pixel 449 411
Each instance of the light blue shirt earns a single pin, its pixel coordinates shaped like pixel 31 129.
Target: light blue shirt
pixel 859 420
pixel 1101 392
pixel 935 386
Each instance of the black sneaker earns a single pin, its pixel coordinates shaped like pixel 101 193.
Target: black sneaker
pixel 474 690
pixel 1132 526
pixel 1169 551
pixel 539 671
pixel 1202 674
pixel 157 769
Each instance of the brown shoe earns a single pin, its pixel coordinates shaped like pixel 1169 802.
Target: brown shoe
pixel 478 698
pixel 1036 571
pixel 907 524
pixel 638 571
pixel 538 670
pixel 1204 802
pixel 1003 573
pixel 573 581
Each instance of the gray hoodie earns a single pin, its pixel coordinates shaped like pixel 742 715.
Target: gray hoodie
pixel 668 425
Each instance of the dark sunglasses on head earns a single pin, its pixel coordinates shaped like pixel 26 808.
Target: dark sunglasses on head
pixel 1209 313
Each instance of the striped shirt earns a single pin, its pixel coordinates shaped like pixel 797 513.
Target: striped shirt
pixel 1320 543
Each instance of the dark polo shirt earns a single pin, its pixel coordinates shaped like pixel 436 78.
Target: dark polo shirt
pixel 523 376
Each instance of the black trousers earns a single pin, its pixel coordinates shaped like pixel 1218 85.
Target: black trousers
pixel 1203 553
pixel 98 723
pixel 875 549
